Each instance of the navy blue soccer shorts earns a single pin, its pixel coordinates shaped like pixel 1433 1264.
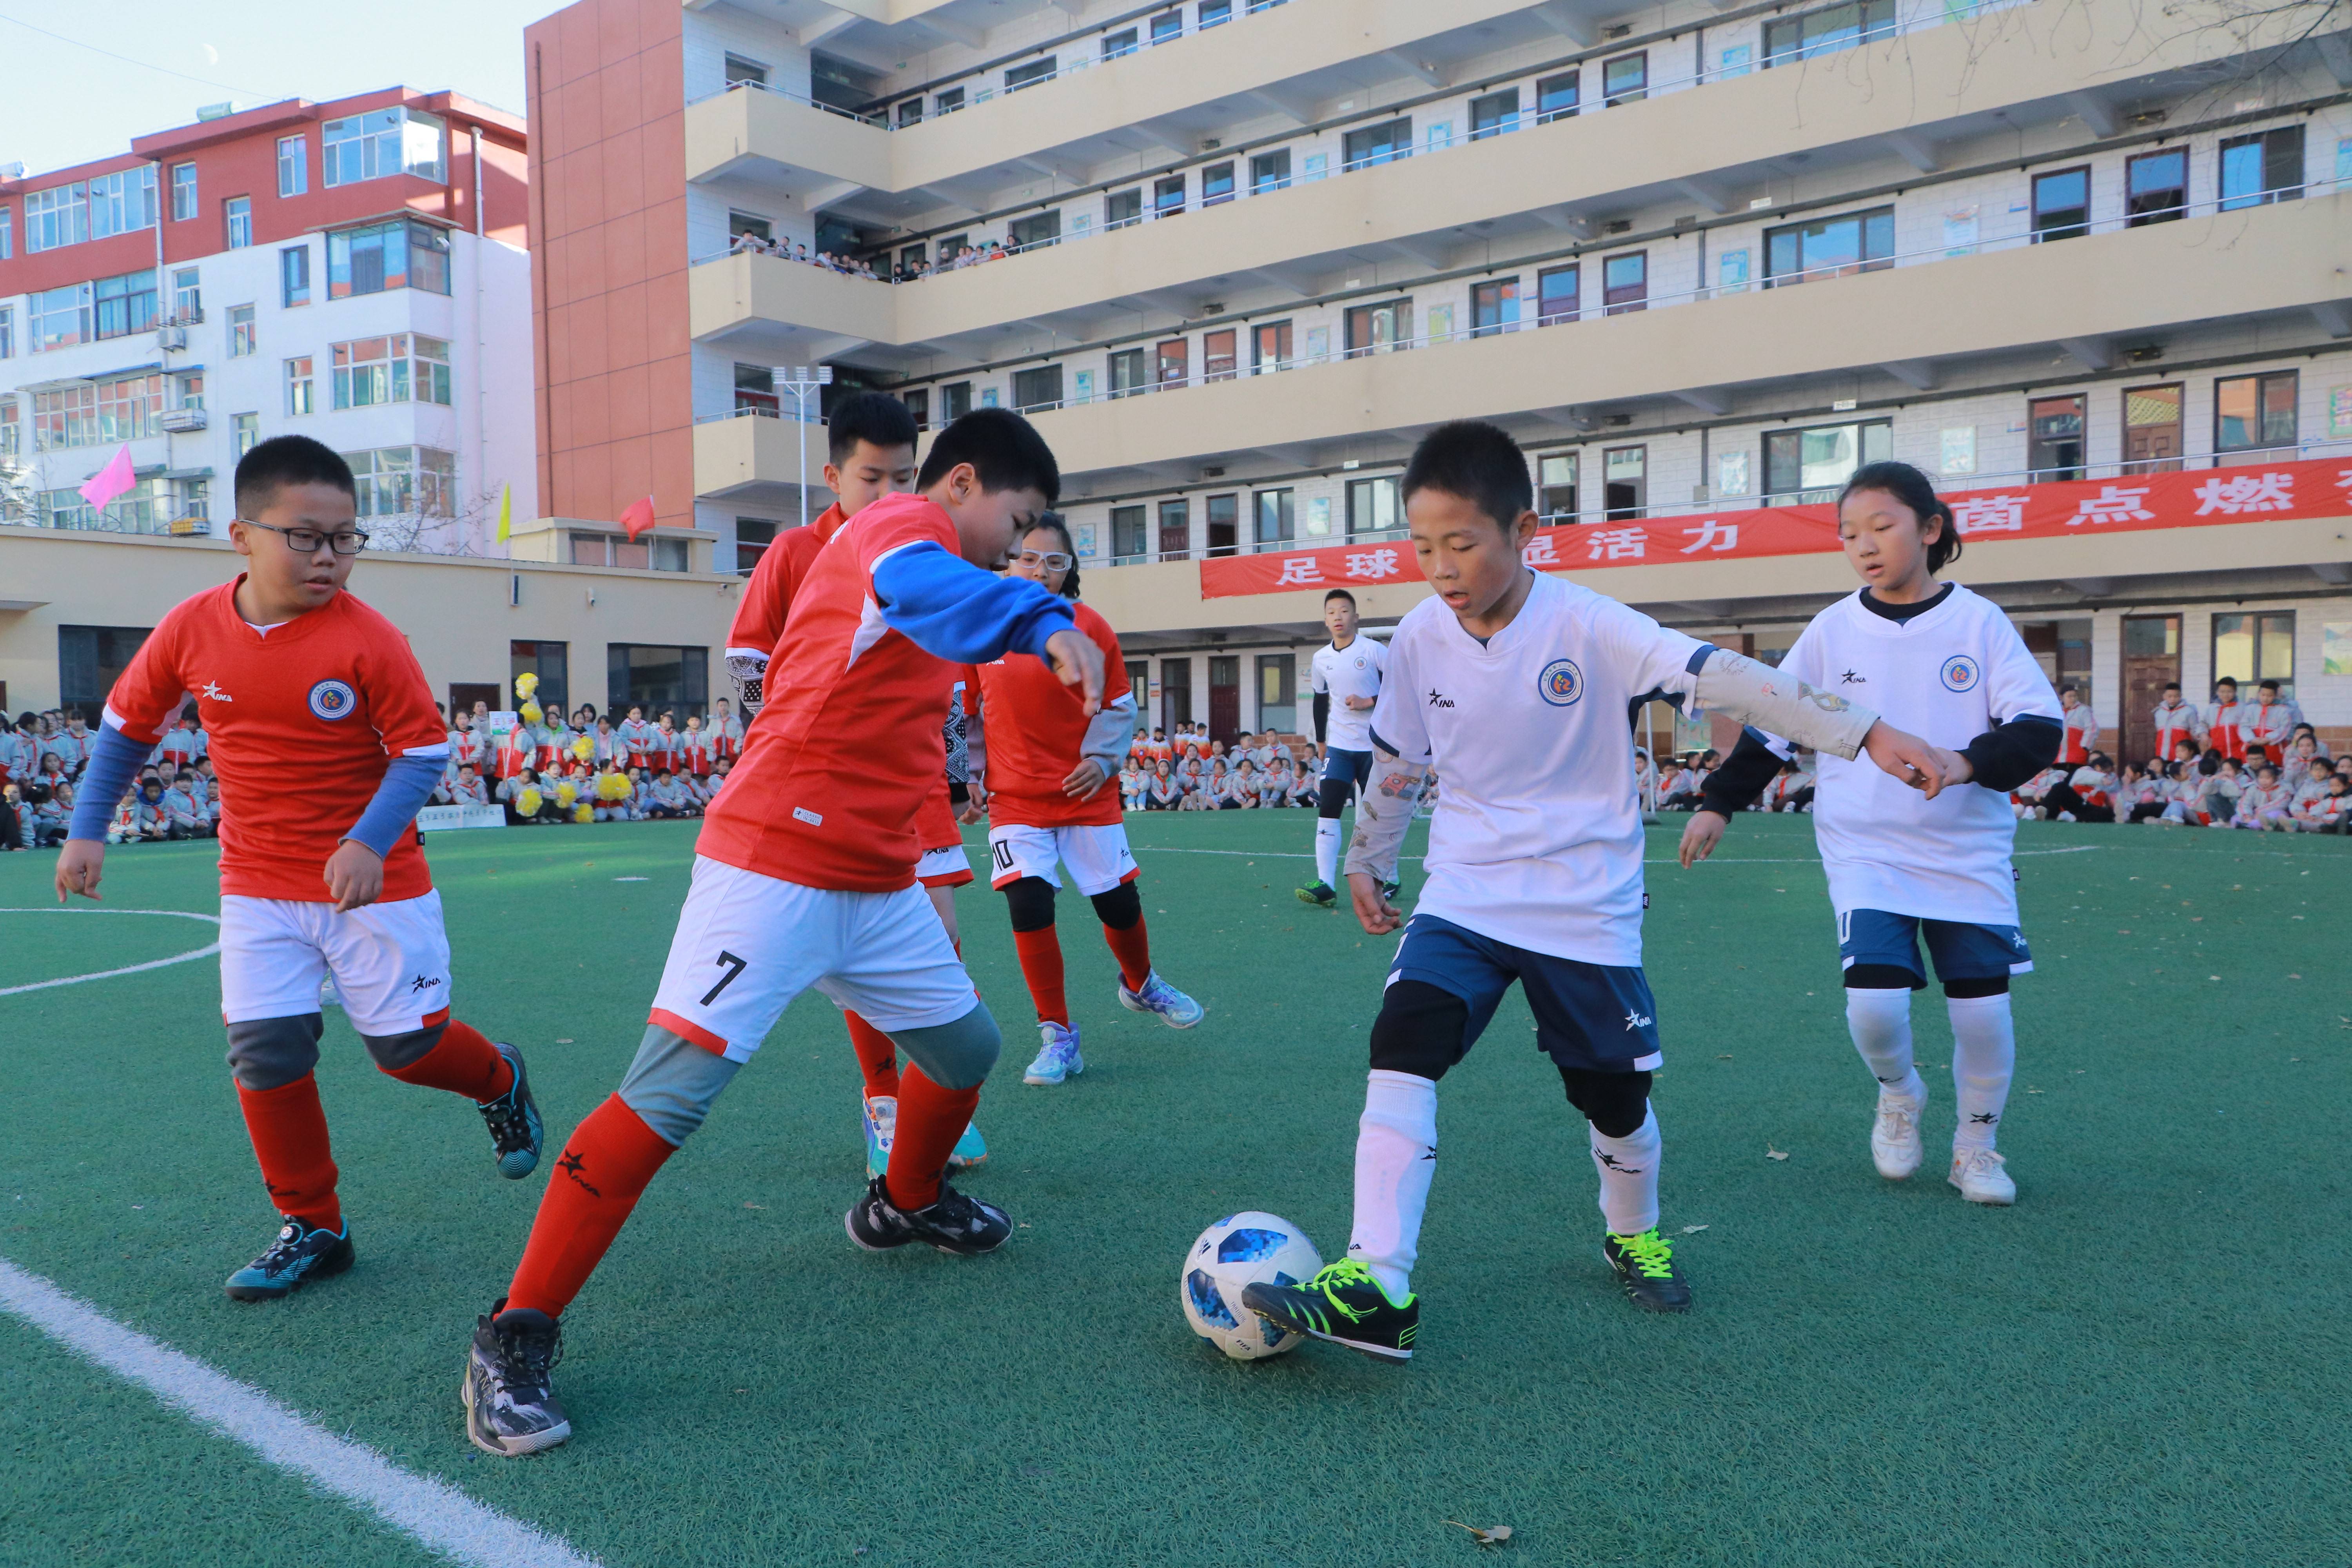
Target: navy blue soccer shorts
pixel 1347 767
pixel 1592 1016
pixel 1960 951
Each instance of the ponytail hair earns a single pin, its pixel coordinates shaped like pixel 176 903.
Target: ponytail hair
pixel 1053 520
pixel 1909 485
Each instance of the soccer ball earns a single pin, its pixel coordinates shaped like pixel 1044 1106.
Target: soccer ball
pixel 1243 1249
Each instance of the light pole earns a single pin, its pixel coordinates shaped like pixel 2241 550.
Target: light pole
pixel 800 380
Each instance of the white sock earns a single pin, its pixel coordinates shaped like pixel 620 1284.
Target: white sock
pixel 1984 1058
pixel 1629 1176
pixel 1396 1154
pixel 1326 850
pixel 1880 1022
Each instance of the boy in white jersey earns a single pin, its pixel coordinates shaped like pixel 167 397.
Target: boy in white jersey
pixel 1518 686
pixel 1900 866
pixel 1347 679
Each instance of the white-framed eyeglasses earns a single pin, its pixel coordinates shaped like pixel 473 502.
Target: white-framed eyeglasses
pixel 1051 560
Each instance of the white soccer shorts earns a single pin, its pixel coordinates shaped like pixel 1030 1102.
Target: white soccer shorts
pixel 1097 856
pixel 391 961
pixel 746 944
pixel 946 867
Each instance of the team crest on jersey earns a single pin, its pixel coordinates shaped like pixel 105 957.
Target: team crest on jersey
pixel 1561 683
pixel 1959 673
pixel 332 699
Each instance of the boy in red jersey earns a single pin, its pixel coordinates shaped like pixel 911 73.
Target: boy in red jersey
pixel 1041 767
pixel 804 876
pixel 312 700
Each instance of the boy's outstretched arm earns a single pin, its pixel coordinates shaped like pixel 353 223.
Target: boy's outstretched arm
pixel 1781 704
pixel 952 609
pixel 1382 814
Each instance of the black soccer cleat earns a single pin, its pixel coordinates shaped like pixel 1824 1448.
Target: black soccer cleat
pixel 510 1410
pixel 957 1224
pixel 1322 895
pixel 300 1254
pixel 513 1122
pixel 1644 1264
pixel 1345 1305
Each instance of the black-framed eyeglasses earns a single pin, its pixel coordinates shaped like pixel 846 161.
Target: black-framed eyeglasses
pixel 1051 560
pixel 306 541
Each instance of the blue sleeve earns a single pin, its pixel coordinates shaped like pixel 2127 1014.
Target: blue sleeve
pixel 953 610
pixel 113 763
pixel 408 783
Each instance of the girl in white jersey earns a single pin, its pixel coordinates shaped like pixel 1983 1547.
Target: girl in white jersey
pixel 1949 665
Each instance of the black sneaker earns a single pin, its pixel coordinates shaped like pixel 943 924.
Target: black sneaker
pixel 1321 895
pixel 513 1122
pixel 1645 1268
pixel 510 1408
pixel 1389 891
pixel 1345 1305
pixel 955 1223
pixel 300 1254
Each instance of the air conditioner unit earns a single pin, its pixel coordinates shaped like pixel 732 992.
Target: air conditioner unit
pixel 180 421
pixel 171 338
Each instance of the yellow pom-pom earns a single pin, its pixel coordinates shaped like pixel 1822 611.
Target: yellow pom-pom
pixel 531 713
pixel 528 802
pixel 583 814
pixel 583 747
pixel 526 683
pixel 613 787
pixel 565 793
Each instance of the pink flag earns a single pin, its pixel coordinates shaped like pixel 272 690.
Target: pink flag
pixel 110 481
pixel 636 520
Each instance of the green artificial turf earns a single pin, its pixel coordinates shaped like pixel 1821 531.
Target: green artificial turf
pixel 2142 1362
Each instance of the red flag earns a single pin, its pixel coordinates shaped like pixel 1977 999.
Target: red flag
pixel 638 518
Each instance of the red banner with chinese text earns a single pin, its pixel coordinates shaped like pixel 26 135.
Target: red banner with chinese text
pixel 2200 497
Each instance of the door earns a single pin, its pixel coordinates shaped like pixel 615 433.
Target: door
pixel 1175 530
pixel 1625 482
pixel 1175 361
pixel 1175 693
pixel 1225 524
pixel 2054 438
pixel 2152 429
pixel 1225 697
pixel 1269 347
pixel 464 694
pixel 2151 663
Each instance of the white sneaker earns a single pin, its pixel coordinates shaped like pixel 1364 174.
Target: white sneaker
pixel 2065 816
pixel 1059 1056
pixel 1979 1173
pixel 1894 1145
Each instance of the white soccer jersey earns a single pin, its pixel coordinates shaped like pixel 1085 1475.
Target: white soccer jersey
pixel 1341 673
pixel 1537 838
pixel 1947 675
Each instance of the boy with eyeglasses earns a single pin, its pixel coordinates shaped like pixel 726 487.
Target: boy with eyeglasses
pixel 312 700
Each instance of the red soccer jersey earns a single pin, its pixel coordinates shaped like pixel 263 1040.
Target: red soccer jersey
pixel 304 720
pixel 775 581
pixel 1033 726
pixel 848 744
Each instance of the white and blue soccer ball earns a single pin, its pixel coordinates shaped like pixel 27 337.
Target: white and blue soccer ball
pixel 1240 1250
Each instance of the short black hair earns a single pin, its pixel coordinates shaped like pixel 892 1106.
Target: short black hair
pixel 1913 490
pixel 2172 686
pixel 2063 690
pixel 2228 680
pixel 1477 462
pixel 288 460
pixel 1053 522
pixel 1002 448
pixel 876 418
pixel 2268 686
pixel 1340 594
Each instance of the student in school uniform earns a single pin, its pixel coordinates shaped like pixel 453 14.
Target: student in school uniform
pixel 637 739
pixel 1166 794
pixel 2269 723
pixel 2222 730
pixel 2328 813
pixel 2265 807
pixel 467 788
pixel 2079 727
pixel 2177 722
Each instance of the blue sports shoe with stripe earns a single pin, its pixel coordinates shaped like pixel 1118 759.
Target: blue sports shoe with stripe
pixel 1176 1010
pixel 513 1120
pixel 300 1254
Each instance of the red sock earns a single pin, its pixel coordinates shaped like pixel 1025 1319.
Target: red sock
pixel 1040 965
pixel 878 1055
pixel 463 1062
pixel 288 1128
pixel 930 1120
pixel 602 1173
pixel 1132 948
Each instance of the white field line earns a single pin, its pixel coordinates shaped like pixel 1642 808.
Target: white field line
pixel 433 1512
pixel 1666 860
pixel 128 969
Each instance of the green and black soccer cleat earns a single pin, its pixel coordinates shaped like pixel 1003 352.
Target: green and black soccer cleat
pixel 1321 895
pixel 1345 1305
pixel 1645 1268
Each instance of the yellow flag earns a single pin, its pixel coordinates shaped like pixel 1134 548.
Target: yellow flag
pixel 506 513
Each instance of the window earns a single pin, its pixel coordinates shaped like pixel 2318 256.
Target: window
pixel 1808 465
pixel 1127 527
pixel 1223 520
pixel 639 675
pixel 550 661
pixel 1556 487
pixel 755 389
pixel 240 331
pixel 236 217
pixel 187 298
pixel 741 72
pixel 1038 229
pixel 752 537
pixel 2255 412
pixel 2054 438
pixel 1168 196
pixel 1278 692
pixel 124 305
pixel 1123 42
pixel 1029 74
pixel 1176 530
pixel 1037 389
pixel 1217 355
pixel 56 217
pixel 1555 97
pixel 1557 291
pixel 1166 26
pixel 196 499
pixel 57 318
pixel 8 333
pixel 298 397
pixel 1625 79
pixel 382 142
pixel 947 102
pixel 1377 329
pixel 1624 482
pixel 910 113
pixel 1269 171
pixel 398 482
pixel 1374 506
pixel 1625 283
pixel 294 276
pixel 2252 647
pixel 2156 188
pixel 739 224
pixel 1274 523
pixel 246 433
pixel 183 192
pixel 1377 144
pixel 7 232
pixel 1829 248
pixel 1121 208
pixel 96 414
pixel 1128 372
pixel 402 254
pixel 2264 167
pixel 1825 31
pixel 2062 204
pixel 1175 363
pixel 293 165
pixel 1494 306
pixel 192 389
pixel 2152 429
pixel 1269 348
pixel 1495 114
pixel 1216 184
pixel 955 401
pixel 918 406
pixel 122 202
pixel 11 433
pixel 399 368
pixel 1216 13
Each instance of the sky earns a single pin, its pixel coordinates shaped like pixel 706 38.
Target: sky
pixel 84 80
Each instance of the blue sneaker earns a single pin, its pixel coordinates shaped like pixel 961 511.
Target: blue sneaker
pixel 1175 1009
pixel 513 1122
pixel 881 1120
pixel 1059 1058
pixel 300 1254
pixel 971 1150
